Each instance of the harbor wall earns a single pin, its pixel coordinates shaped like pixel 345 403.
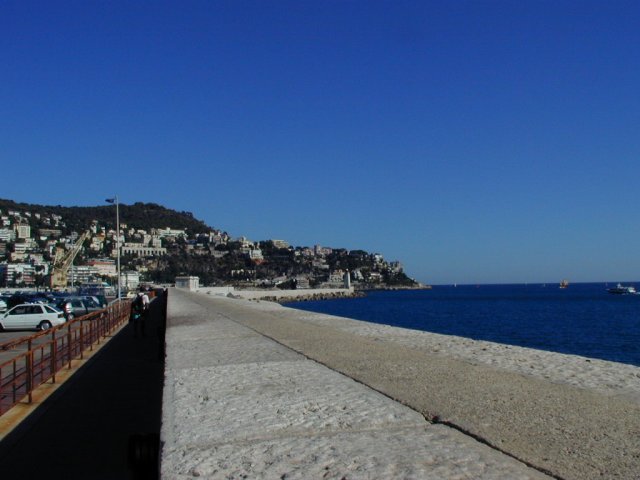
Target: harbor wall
pixel 281 296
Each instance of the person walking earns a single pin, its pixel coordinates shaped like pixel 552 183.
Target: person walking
pixel 139 311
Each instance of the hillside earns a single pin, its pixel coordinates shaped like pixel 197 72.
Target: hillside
pixel 202 251
pixel 140 215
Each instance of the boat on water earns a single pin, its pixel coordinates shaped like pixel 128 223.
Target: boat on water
pixel 564 284
pixel 622 290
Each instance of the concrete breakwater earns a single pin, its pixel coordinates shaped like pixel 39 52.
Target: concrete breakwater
pixel 283 296
pixel 238 403
pixel 302 297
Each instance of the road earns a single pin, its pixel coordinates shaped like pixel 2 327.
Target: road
pixel 16 335
pixel 12 335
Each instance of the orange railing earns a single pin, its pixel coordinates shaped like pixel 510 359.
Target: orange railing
pixel 39 357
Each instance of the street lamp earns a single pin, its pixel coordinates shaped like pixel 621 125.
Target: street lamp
pixel 115 200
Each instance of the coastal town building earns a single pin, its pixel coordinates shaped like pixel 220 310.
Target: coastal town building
pixel 168 232
pixel 357 275
pixel 218 253
pixel 337 277
pixel 20 274
pixel 280 244
pixel 187 282
pixel 321 251
pixel 104 267
pixel 255 254
pixel 79 274
pixel 140 250
pixel 7 235
pixel 130 280
pixel 24 247
pixel 302 282
pixel 49 233
pixel 23 231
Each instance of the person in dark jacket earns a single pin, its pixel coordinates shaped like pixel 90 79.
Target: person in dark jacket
pixel 138 315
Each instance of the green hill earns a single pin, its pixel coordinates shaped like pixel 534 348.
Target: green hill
pixel 139 215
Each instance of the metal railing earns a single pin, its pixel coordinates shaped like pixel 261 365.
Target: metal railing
pixel 39 357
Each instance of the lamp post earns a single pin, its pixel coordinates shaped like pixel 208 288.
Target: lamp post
pixel 115 200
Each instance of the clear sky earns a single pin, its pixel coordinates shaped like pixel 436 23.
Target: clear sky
pixel 475 141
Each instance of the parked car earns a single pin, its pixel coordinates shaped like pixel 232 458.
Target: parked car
pixel 98 299
pixel 77 306
pixel 29 297
pixel 31 315
pixel 3 305
pixel 17 299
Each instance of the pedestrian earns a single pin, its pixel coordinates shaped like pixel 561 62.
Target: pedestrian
pixel 145 300
pixel 139 314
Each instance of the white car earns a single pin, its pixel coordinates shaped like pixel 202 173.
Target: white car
pixel 31 315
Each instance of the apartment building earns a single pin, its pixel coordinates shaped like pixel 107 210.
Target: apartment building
pixel 18 274
pixel 140 250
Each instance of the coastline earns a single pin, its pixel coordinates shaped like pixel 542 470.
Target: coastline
pixel 281 296
pixel 565 414
pixel 303 295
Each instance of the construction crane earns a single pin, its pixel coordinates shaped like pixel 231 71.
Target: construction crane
pixel 62 262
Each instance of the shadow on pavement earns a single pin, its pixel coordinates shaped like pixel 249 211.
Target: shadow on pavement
pixel 104 422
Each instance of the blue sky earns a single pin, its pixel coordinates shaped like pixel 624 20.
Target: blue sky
pixel 476 142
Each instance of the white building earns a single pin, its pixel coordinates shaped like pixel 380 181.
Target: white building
pixel 96 243
pixel 7 234
pixel 17 274
pixel 336 277
pixel 23 231
pixel 104 267
pixel 130 280
pixel 140 250
pixel 280 244
pixel 24 247
pixel 319 250
pixel 168 232
pixel 50 232
pixel 188 283
pixel 81 274
pixel 256 254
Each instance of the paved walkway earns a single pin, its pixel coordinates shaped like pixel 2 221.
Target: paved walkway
pixel 84 430
pixel 240 405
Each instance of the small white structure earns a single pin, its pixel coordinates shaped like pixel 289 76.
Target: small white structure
pixel 347 280
pixel 130 280
pixel 188 283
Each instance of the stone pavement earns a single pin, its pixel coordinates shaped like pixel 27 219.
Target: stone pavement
pixel 240 405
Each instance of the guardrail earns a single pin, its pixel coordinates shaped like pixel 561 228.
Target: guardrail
pixel 48 352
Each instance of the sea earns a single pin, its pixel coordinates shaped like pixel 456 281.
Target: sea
pixel 582 319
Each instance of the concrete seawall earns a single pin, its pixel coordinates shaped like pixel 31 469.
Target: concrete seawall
pixel 281 296
pixel 257 389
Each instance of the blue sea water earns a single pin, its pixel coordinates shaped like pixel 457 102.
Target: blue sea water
pixel 582 319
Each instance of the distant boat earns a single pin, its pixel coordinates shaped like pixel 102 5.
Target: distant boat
pixel 564 284
pixel 622 290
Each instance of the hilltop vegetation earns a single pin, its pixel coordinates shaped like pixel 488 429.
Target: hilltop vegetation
pixel 144 216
